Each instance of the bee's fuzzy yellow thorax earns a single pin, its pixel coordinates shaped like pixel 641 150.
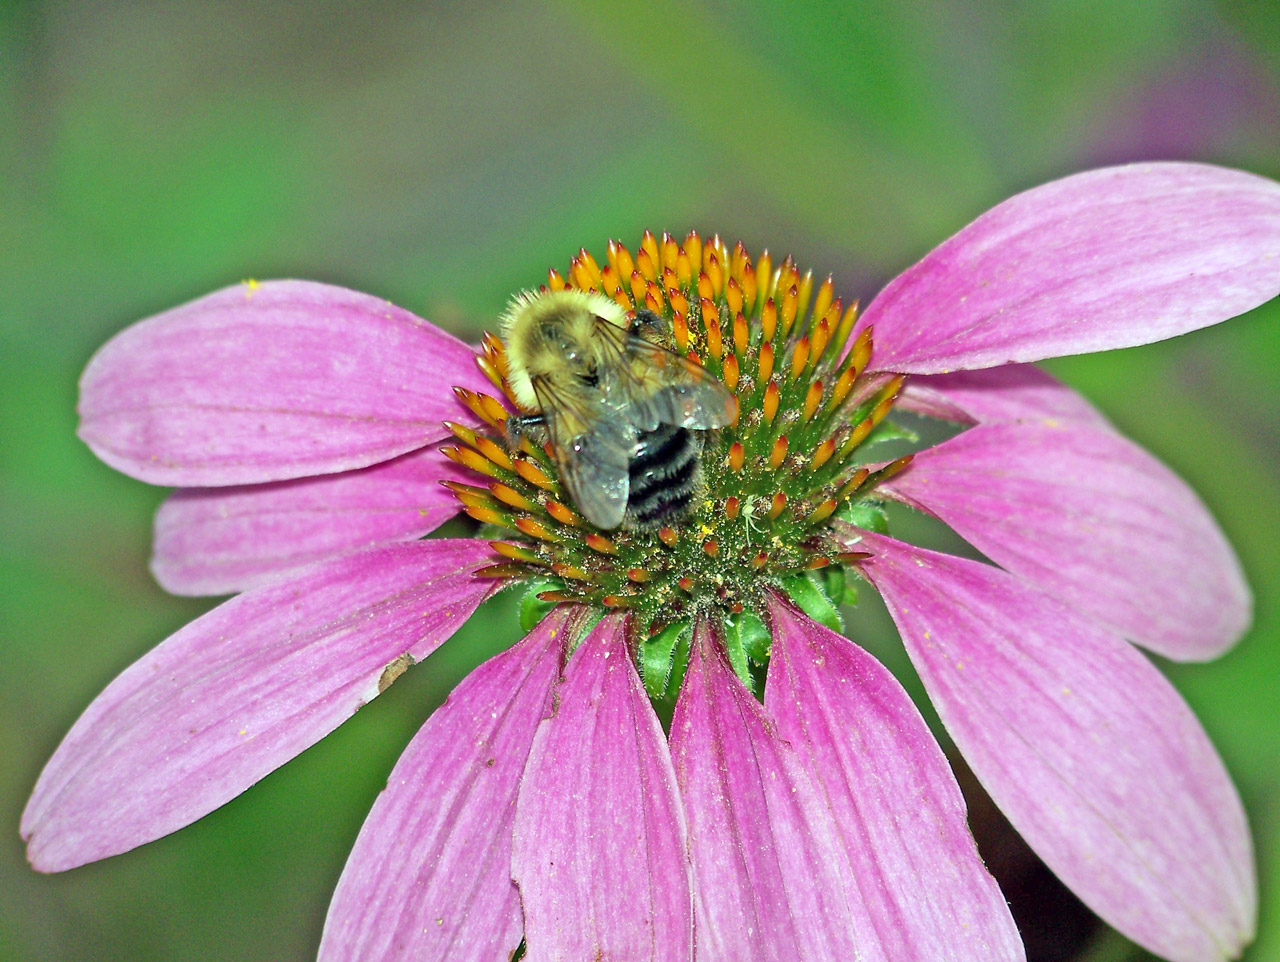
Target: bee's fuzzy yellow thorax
pixel 537 327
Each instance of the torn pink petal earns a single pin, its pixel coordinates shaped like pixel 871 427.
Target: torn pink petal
pixel 430 875
pixel 600 856
pixel 1091 518
pixel 1105 259
pixel 771 881
pixel 214 541
pixel 264 382
pixel 1088 750
pixel 1011 392
pixel 897 808
pixel 240 691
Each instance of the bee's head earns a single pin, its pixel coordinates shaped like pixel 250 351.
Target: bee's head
pixel 551 335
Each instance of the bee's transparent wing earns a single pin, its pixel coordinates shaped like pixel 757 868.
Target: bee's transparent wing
pixel 596 469
pixel 664 388
pixel 593 448
pixel 701 404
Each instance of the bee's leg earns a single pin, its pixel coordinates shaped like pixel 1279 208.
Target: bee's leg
pixel 518 426
pixel 644 320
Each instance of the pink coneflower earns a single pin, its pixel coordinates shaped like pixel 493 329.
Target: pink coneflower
pixel 799 807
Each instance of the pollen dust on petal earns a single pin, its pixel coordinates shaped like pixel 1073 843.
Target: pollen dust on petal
pixel 394 670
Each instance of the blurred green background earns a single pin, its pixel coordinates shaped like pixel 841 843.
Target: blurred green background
pixel 443 155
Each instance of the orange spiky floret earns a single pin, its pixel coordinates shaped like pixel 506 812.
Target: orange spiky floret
pixel 822 454
pixel 562 513
pixel 764 363
pixel 533 474
pixel 799 357
pixel 779 453
pixel 822 301
pixel 693 248
pixel 772 396
pixel 730 373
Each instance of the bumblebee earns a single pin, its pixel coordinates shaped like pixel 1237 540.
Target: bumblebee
pixel 622 413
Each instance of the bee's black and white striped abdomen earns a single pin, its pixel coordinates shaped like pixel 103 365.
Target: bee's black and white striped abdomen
pixel 663 474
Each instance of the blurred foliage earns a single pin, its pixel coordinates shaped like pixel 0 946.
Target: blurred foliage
pixel 443 156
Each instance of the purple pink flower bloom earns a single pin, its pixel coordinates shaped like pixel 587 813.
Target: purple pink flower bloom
pixel 304 426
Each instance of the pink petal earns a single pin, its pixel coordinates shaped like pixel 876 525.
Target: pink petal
pixel 1090 517
pixel 430 875
pixel 214 541
pixel 1011 392
pixel 1085 746
pixel 771 881
pixel 240 691
pixel 1105 259
pixel 897 807
pixel 600 855
pixel 265 382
